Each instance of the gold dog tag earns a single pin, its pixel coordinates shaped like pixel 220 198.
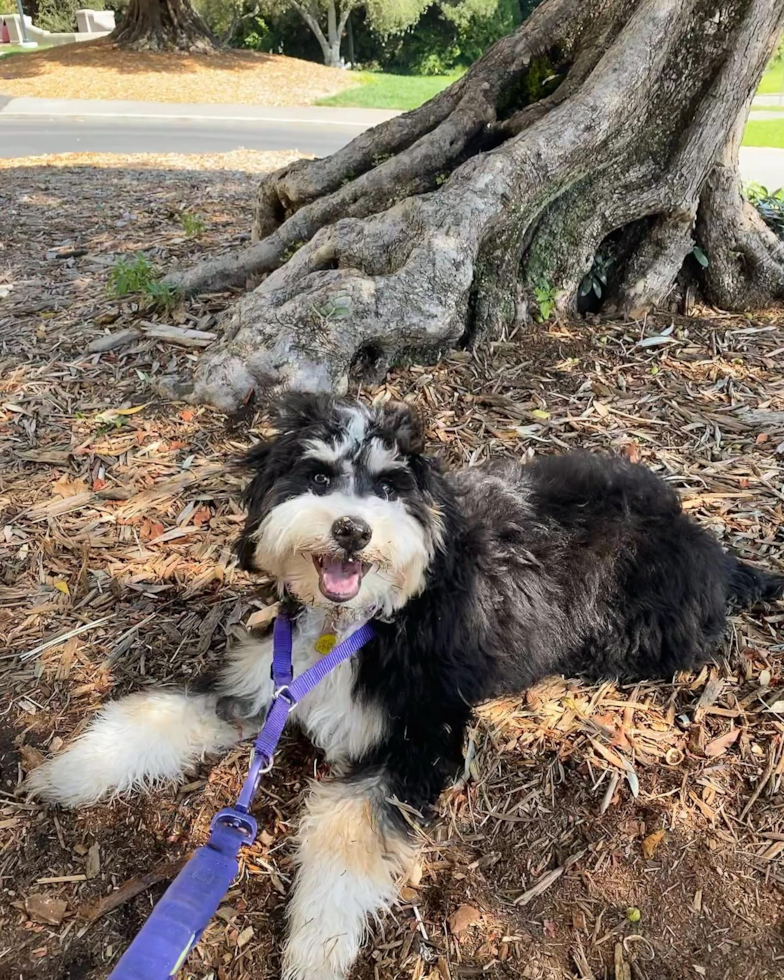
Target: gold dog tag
pixel 325 643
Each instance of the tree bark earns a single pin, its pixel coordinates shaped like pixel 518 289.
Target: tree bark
pixel 331 41
pixel 164 25
pixel 426 231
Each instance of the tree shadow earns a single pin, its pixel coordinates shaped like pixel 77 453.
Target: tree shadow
pixel 104 54
pixel 101 70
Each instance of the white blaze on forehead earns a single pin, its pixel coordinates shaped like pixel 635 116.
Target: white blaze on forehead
pixel 380 457
pixel 354 425
pixel 356 420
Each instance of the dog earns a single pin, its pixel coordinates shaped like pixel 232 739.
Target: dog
pixel 478 583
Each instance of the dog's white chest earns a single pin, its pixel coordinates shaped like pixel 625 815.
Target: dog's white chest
pixel 333 718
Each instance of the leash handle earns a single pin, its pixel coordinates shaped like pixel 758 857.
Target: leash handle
pixel 191 900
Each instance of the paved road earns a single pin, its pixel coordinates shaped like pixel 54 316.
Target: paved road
pixel 22 137
pixel 30 127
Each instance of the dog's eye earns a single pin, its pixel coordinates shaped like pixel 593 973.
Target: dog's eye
pixel 385 489
pixel 321 480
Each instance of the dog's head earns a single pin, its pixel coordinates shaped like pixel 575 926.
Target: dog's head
pixel 341 510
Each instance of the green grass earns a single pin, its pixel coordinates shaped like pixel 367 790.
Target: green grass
pixel 773 80
pixel 764 132
pixel 6 50
pixel 378 90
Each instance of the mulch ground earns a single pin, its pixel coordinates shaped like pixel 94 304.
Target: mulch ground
pixel 100 70
pixel 625 832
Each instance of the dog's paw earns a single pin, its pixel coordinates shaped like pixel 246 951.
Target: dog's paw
pixel 314 954
pixel 65 780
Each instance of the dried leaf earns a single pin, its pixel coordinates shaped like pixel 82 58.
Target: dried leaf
pixel 66 487
pixel 651 842
pixel 720 745
pixel 463 918
pixel 31 757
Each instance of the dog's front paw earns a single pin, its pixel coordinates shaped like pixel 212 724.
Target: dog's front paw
pixel 66 779
pixel 315 951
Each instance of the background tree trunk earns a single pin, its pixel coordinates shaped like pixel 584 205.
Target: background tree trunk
pixel 599 137
pixel 164 25
pixel 331 41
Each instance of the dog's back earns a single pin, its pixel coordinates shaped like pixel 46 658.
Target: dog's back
pixel 628 584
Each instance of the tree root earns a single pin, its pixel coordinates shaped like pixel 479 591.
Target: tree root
pixel 372 259
pixel 746 259
pixel 652 269
pixel 405 156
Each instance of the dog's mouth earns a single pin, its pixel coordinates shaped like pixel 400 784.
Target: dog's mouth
pixel 340 579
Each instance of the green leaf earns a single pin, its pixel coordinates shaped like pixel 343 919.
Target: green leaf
pixel 700 256
pixel 597 288
pixel 586 285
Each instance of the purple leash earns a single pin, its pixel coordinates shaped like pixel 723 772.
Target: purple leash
pixel 188 904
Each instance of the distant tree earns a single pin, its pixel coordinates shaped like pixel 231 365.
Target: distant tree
pixel 327 19
pixel 163 25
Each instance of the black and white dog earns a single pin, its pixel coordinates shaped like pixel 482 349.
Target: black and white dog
pixel 478 583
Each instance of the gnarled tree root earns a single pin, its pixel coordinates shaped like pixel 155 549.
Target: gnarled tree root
pixel 372 260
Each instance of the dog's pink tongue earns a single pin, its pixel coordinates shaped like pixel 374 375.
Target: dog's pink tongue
pixel 341 578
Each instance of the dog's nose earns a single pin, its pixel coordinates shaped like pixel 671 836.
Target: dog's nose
pixel 351 533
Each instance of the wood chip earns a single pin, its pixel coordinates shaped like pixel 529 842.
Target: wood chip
pixel 46 908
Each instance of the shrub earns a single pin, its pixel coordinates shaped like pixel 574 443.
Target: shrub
pixel 137 275
pixel 770 205
pixel 57 16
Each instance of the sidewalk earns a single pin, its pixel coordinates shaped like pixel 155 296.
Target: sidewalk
pixel 764 100
pixel 27 107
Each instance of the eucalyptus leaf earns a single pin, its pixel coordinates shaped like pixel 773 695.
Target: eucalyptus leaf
pixel 700 256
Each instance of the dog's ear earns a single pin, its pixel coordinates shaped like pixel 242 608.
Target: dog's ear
pixel 401 422
pixel 301 409
pixel 259 461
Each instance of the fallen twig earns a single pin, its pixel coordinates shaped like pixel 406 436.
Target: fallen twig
pixel 130 889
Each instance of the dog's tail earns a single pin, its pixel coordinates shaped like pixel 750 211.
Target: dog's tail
pixel 145 738
pixel 749 585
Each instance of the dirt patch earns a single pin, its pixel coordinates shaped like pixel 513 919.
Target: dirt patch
pixel 599 826
pixel 100 70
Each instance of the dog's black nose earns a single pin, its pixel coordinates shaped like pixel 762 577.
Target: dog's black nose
pixel 351 533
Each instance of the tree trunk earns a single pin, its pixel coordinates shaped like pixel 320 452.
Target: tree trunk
pixel 329 42
pixel 334 38
pixel 350 40
pixel 442 225
pixel 164 25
